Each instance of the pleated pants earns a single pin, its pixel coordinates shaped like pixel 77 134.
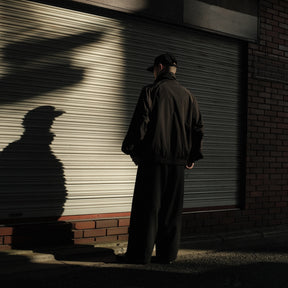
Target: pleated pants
pixel 156 213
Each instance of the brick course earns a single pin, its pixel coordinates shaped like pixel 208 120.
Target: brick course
pixel 104 230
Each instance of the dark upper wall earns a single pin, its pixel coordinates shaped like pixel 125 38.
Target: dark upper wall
pixel 244 6
pixel 232 18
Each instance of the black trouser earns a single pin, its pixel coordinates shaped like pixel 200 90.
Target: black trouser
pixel 156 213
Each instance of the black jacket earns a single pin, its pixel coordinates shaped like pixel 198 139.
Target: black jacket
pixel 166 126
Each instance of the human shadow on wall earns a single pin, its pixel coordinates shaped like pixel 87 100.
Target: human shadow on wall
pixel 32 180
pixel 35 63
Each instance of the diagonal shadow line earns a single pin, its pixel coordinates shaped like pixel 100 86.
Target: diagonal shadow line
pixel 21 53
pixel 26 81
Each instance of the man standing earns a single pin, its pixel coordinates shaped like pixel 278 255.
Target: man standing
pixel 164 137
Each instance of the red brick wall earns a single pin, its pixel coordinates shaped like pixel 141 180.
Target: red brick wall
pixel 91 231
pixel 266 194
pixel 5 237
pixel 267 132
pixel 97 231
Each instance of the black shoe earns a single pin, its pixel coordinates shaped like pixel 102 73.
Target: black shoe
pixel 124 259
pixel 163 261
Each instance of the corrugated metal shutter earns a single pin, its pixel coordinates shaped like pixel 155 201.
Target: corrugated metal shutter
pixel 93 67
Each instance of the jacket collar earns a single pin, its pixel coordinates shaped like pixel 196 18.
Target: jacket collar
pixel 165 75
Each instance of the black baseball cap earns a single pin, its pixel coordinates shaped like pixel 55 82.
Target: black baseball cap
pixel 166 59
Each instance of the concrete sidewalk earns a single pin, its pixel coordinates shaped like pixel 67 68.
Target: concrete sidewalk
pixel 257 258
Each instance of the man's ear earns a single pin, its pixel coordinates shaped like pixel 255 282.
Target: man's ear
pixel 161 67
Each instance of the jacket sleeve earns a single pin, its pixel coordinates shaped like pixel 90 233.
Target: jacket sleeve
pixel 138 125
pixel 197 135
